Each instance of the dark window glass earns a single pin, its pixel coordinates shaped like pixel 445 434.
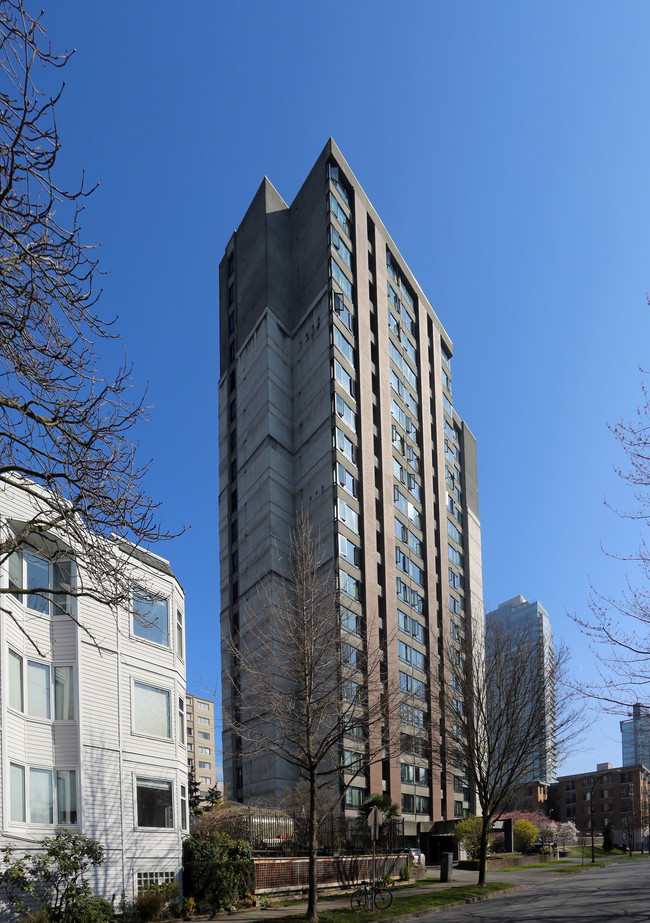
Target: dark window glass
pixel 154 803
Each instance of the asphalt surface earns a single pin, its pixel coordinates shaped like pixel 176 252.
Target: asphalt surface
pixel 620 891
pixel 617 893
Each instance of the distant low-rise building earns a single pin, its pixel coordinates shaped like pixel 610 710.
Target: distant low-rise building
pixel 616 797
pixel 531 797
pixel 200 742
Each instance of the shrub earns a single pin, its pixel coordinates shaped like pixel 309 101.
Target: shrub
pixel 219 883
pixel 498 845
pixel 39 916
pixel 52 876
pixel 216 846
pixel 149 904
pixel 218 871
pixel 96 909
pixel 524 834
pixel 189 906
pixel 467 833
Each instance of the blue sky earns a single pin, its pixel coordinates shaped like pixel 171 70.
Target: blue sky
pixel 505 146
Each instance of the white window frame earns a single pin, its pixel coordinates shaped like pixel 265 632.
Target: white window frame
pixel 180 633
pixel 52 697
pixel 52 771
pixel 48 601
pixel 140 594
pixel 182 720
pixel 141 777
pixel 164 689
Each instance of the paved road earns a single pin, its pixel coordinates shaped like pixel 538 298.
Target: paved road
pixel 617 893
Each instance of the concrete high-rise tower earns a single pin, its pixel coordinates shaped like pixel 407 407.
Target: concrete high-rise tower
pixel 530 622
pixel 635 736
pixel 335 396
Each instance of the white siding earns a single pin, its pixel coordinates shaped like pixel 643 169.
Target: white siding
pixel 66 744
pixel 98 684
pixel 98 743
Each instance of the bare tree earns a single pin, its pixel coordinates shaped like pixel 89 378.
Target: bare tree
pixel 306 695
pixel 620 625
pixel 501 705
pixel 66 427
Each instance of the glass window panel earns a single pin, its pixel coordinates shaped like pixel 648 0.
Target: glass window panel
pixel 40 797
pixel 63 694
pixel 15 570
pixel 339 276
pixel 154 801
pixel 179 633
pixel 62 572
pixel 150 619
pixel 16 699
pixel 181 720
pixel 38 577
pixel 38 690
pixel 341 248
pixel 183 807
pixel 66 796
pixel 340 215
pixel 344 345
pixel 151 711
pixel 17 793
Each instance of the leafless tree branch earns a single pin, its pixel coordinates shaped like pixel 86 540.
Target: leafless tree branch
pixel 619 627
pixel 67 428
pixel 508 700
pixel 300 693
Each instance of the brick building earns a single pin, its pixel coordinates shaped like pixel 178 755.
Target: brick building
pixel 608 795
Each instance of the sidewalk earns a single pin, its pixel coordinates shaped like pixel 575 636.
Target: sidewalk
pixel 521 878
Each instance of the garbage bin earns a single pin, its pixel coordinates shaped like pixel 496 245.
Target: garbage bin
pixel 446 866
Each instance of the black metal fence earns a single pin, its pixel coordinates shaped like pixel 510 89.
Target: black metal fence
pixel 285 833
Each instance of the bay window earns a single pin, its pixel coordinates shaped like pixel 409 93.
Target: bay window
pixel 48 584
pixel 38 695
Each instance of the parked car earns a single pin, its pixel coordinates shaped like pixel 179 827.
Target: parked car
pixel 415 855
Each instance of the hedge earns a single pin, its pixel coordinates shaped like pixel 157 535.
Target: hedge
pixel 220 883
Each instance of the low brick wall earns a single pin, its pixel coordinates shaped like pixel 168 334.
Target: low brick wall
pixel 339 871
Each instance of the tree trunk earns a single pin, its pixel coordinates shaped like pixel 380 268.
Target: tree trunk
pixel 312 905
pixel 483 850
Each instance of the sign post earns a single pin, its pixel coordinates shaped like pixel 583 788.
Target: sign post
pixel 375 819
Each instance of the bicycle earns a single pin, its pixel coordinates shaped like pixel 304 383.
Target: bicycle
pixel 362 899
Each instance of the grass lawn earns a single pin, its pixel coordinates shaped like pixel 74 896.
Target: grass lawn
pixel 537 865
pixel 581 868
pixel 400 905
pixel 599 852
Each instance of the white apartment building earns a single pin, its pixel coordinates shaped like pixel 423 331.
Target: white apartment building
pixel 92 722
